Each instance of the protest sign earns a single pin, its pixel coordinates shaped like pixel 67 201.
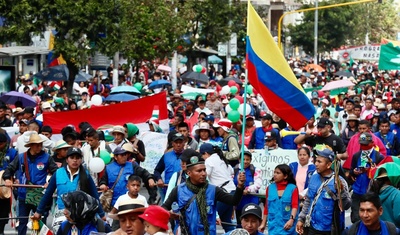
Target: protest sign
pixel 156 144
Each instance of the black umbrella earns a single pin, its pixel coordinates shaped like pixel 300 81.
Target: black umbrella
pixel 225 81
pixel 195 77
pixel 82 77
pixel 344 73
pixel 55 73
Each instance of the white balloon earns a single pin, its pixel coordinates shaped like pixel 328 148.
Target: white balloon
pixel 228 109
pixel 225 90
pixel 96 165
pixel 194 68
pixel 96 100
pixel 241 109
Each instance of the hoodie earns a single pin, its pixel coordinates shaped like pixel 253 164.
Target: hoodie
pixel 390 197
pixel 24 139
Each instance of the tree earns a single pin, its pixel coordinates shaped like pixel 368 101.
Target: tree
pixel 345 25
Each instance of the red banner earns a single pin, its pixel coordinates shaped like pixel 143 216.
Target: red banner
pixel 136 111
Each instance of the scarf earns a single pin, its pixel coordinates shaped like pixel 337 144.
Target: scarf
pixel 201 202
pixel 362 230
pixel 3 155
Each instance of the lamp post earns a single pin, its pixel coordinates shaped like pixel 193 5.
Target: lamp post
pixel 313 9
pixel 316 33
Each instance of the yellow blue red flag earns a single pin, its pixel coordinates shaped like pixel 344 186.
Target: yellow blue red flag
pixel 271 76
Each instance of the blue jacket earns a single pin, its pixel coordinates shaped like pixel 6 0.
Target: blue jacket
pixel 112 172
pixel 281 209
pixel 288 141
pixel 322 214
pixel 360 186
pixel 246 199
pixel 192 212
pixel 61 182
pixel 9 157
pixel 38 170
pixel 258 138
pixel 310 171
pixel 390 142
pixel 90 227
pixel 169 164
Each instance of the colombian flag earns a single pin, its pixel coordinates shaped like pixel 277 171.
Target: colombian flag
pixel 271 76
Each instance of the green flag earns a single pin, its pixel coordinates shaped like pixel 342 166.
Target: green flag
pixel 389 57
pixel 351 62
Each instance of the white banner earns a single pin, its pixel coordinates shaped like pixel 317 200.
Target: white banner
pixel 267 161
pixel 188 89
pixel 155 144
pixel 366 52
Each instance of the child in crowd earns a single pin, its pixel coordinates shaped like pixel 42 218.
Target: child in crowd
pixel 156 220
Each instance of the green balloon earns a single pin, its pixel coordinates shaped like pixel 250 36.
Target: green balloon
pixel 138 86
pixel 234 90
pixel 234 116
pixel 249 89
pixel 105 156
pixel 234 103
pixel 199 68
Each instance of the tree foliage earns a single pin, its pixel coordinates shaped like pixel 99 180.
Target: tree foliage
pixel 345 25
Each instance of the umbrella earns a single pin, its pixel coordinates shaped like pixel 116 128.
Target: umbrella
pixel 121 97
pixel 195 77
pixel 192 95
pixel 82 77
pixel 55 73
pixel 14 96
pixel 367 82
pixel 344 73
pixel 225 81
pixel 159 84
pixel 214 60
pixel 315 67
pixel 125 89
pixel 392 170
pixel 165 68
pixel 337 84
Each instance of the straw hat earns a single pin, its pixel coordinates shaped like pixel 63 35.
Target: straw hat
pixel 129 206
pixel 352 117
pixel 34 139
pixel 204 126
pixel 61 144
pixel 128 147
pixel 118 129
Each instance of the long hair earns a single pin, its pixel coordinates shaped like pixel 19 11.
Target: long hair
pixel 218 151
pixel 83 180
pixel 286 171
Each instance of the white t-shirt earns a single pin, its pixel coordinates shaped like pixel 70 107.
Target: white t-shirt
pixel 342 120
pixel 218 173
pixel 127 197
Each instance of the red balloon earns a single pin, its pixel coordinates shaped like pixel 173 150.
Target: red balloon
pixel 238 87
pixel 231 83
pixel 320 94
pixel 219 88
pixel 203 70
pixel 240 98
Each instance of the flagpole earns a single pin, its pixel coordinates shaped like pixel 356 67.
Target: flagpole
pixel 244 99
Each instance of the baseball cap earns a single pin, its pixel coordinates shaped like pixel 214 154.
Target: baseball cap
pixel 73 151
pixel 119 150
pixel 29 110
pixel 323 122
pixel 356 99
pixel 25 121
pixel 46 105
pixel 188 153
pixel 206 148
pixel 209 118
pixel 326 153
pixel 252 209
pixel 224 123
pixel 267 116
pixel 365 138
pixel 350 100
pixel 270 135
pixel 194 160
pixel 177 136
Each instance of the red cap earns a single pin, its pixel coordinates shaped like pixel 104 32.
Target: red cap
pixel 156 216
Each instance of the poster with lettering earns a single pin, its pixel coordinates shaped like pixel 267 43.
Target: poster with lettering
pixel 267 161
pixel 155 146
pixel 366 52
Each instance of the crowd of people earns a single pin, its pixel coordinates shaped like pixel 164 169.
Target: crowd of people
pixel 199 181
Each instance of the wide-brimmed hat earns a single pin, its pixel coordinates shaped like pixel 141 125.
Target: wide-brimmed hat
pixel 204 126
pixel 352 117
pixel 118 129
pixel 34 139
pixel 61 144
pixel 129 206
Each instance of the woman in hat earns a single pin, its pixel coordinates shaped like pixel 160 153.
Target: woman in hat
pixel 61 181
pixel 204 135
pixel 350 129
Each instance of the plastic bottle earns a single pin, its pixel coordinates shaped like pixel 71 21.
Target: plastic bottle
pixel 175 207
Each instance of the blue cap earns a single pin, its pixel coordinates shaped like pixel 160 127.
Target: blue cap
pixel 209 118
pixel 119 150
pixel 206 148
pixel 326 153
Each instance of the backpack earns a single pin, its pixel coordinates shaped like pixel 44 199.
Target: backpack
pixel 354 228
pixel 101 228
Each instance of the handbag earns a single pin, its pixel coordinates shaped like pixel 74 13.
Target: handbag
pixel 106 197
pixel 33 195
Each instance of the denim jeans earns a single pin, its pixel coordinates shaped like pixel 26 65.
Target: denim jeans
pixel 23 212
